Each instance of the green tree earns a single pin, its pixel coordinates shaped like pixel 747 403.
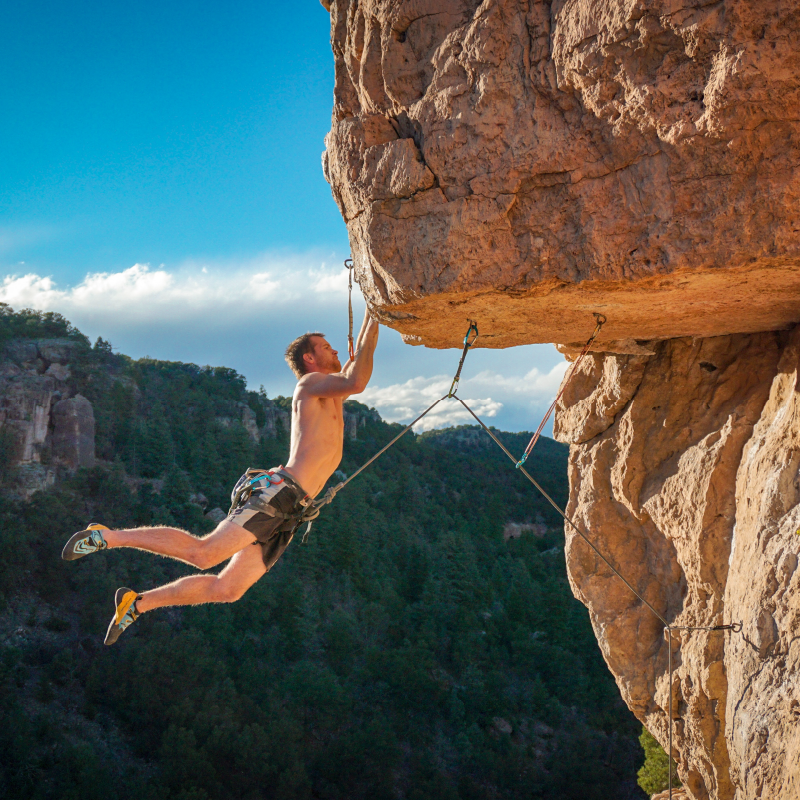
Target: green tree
pixel 156 448
pixel 654 774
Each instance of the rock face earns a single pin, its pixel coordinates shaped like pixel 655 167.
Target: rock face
pixel 525 163
pixel 73 432
pixel 44 427
pixel 684 470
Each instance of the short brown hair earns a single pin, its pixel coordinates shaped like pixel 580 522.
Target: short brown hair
pixel 296 350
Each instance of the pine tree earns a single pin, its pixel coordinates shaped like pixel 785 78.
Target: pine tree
pixel 654 774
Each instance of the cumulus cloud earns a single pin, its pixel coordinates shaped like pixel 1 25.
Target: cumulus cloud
pixel 404 401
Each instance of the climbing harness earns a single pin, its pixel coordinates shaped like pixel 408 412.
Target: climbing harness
pixel 348 262
pixel 601 320
pixel 467 344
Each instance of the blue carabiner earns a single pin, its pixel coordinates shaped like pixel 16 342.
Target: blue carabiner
pixel 473 326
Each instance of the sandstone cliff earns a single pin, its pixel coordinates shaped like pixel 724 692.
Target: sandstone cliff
pixel 525 163
pixel 684 470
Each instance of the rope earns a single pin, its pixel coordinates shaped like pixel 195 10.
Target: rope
pixel 736 627
pixel 601 320
pixel 313 511
pixel 350 267
pixel 558 509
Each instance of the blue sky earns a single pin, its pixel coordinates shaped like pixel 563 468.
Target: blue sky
pixel 162 187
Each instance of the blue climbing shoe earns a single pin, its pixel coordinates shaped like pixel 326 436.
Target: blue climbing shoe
pixel 125 614
pixel 85 542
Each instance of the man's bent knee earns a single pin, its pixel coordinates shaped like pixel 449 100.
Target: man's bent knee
pixel 205 557
pixel 224 592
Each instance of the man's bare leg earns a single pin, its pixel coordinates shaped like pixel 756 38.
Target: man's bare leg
pixel 245 568
pixel 226 540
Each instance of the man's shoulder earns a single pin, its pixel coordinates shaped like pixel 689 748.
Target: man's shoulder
pixel 314 378
pixel 309 379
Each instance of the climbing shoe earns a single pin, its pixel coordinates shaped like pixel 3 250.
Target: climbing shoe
pixel 125 614
pixel 85 542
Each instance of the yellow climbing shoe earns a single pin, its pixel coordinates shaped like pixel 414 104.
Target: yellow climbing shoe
pixel 124 615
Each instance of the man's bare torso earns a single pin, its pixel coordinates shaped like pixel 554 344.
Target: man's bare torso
pixel 317 439
pixel 317 418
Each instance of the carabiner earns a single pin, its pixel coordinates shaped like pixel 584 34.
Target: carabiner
pixel 473 326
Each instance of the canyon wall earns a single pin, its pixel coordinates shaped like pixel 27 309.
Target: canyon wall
pixel 525 164
pixel 44 424
pixel 684 471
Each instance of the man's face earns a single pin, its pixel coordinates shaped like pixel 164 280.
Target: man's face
pixel 325 358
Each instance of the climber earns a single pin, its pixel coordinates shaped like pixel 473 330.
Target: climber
pixel 266 503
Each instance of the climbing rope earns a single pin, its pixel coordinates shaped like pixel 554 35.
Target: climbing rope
pixel 562 513
pixel 735 627
pixel 601 320
pixel 348 262
pixel 312 512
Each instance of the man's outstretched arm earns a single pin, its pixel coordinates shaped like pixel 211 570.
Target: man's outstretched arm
pixel 359 339
pixel 355 375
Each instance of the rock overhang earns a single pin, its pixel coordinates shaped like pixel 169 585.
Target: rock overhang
pixel 525 165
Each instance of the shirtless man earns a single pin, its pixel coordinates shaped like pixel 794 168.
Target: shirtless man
pixel 264 503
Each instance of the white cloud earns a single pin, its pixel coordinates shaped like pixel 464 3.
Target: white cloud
pixel 401 402
pixel 252 289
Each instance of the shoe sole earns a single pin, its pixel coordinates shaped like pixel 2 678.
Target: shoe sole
pixel 69 554
pixel 113 633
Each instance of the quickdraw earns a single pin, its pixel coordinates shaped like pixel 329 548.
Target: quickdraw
pixel 473 327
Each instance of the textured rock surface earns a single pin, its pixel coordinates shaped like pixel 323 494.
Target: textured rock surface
pixel 764 665
pixel 73 432
pixel 32 378
pixel 686 475
pixel 524 163
pixel 45 428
